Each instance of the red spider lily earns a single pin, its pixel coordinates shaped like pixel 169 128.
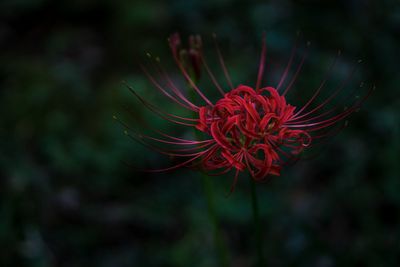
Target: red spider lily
pixel 252 129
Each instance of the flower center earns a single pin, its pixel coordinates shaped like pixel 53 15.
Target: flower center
pixel 244 117
pixel 249 130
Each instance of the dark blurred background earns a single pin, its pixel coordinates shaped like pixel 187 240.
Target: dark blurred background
pixel 67 198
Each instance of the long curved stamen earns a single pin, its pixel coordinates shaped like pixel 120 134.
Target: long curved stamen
pixel 185 163
pixel 179 141
pixel 288 66
pixel 155 110
pixel 323 114
pixel 186 75
pixel 296 74
pixel 334 119
pixel 331 97
pixel 163 91
pixel 222 62
pixel 262 62
pixel 172 85
pixel 163 151
pixel 310 101
pixel 212 77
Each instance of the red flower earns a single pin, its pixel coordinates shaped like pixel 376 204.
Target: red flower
pixel 252 129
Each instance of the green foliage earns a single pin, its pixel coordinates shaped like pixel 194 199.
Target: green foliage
pixel 67 198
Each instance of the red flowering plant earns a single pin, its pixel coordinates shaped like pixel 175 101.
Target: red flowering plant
pixel 251 129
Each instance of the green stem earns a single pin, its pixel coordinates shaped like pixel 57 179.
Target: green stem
pixel 218 241
pixel 257 223
pixel 208 189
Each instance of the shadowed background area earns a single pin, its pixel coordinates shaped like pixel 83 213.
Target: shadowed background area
pixel 68 199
